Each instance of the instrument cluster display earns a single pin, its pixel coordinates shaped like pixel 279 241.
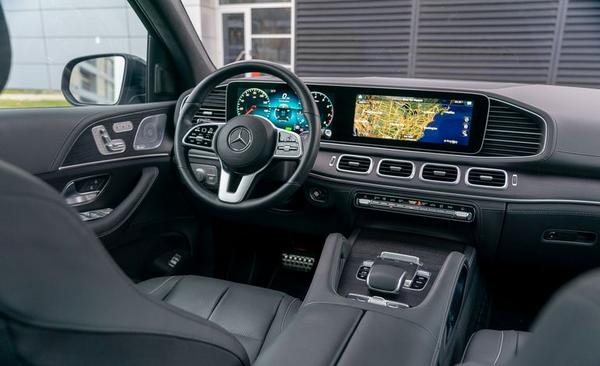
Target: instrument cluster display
pixel 278 104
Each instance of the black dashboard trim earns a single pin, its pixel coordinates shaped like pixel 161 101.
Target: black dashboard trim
pixel 450 194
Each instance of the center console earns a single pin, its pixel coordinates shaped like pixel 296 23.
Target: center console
pixel 380 297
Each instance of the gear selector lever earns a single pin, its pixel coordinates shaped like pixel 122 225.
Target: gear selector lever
pixel 389 271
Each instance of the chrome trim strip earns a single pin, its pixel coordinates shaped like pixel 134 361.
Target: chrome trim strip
pixel 470 197
pixel 99 162
pixel 437 181
pixel 337 166
pixel 412 173
pixel 484 186
pixel 401 257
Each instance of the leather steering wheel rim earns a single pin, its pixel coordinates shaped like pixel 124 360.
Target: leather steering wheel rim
pixel 196 98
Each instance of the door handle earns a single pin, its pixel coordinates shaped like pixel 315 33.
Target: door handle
pixel 111 222
pixel 82 191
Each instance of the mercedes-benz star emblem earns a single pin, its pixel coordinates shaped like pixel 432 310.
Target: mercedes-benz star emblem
pixel 239 139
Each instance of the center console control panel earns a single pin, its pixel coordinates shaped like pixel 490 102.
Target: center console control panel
pixel 415 278
pixel 407 205
pixel 388 276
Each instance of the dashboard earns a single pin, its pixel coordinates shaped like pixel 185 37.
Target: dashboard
pixel 394 151
pixel 411 119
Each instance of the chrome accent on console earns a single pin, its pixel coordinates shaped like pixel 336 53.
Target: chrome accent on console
pixel 367 172
pixel 401 257
pixel 486 186
pixel 456 181
pixel 412 173
pixel 378 300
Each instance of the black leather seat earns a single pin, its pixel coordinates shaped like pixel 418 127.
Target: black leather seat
pixel 254 315
pixel 63 300
pixel 565 333
pixel 493 347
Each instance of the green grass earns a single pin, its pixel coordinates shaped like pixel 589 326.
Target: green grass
pixel 30 91
pixel 9 103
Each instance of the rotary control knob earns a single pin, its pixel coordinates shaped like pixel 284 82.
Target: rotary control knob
pixel 200 174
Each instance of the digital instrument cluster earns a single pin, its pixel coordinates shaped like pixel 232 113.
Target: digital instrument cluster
pixel 428 120
pixel 278 104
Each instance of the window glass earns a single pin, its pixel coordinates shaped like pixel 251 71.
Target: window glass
pixel 233 37
pixel 45 35
pixel 272 49
pixel 271 21
pixel 234 30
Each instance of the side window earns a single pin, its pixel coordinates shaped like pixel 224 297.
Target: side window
pixel 97 46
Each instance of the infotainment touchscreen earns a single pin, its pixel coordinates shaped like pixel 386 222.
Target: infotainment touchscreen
pixel 414 119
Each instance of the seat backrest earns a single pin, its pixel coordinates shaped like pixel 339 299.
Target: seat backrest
pixel 63 300
pixel 568 329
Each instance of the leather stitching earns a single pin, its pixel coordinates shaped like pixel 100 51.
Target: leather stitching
pixel 170 291
pixel 467 347
pixel 500 349
pixel 271 326
pixel 161 285
pixel 218 302
pixel 286 314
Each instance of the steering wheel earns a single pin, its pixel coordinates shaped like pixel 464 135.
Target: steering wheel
pixel 245 145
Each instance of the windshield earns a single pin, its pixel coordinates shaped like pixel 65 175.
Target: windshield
pixel 542 41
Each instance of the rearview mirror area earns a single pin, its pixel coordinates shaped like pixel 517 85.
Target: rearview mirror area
pixel 109 79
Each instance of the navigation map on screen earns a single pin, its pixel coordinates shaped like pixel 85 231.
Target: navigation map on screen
pixel 426 120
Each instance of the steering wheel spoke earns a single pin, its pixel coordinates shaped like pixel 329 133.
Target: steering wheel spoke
pixel 289 145
pixel 233 188
pixel 202 136
pixel 246 144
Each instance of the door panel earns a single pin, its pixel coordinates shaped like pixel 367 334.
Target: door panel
pixel 40 140
pixel 148 209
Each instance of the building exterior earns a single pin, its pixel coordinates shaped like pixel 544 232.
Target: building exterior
pixel 234 30
pixel 542 41
pixel 46 34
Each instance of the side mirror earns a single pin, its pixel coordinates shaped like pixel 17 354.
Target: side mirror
pixel 106 79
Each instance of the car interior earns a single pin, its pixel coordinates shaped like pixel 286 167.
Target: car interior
pixel 245 215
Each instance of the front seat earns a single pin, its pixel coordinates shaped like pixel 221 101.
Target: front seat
pixel 64 301
pixel 566 333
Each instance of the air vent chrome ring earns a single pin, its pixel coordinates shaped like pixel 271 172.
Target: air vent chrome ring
pixel 367 172
pixel 412 172
pixel 454 182
pixel 504 186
